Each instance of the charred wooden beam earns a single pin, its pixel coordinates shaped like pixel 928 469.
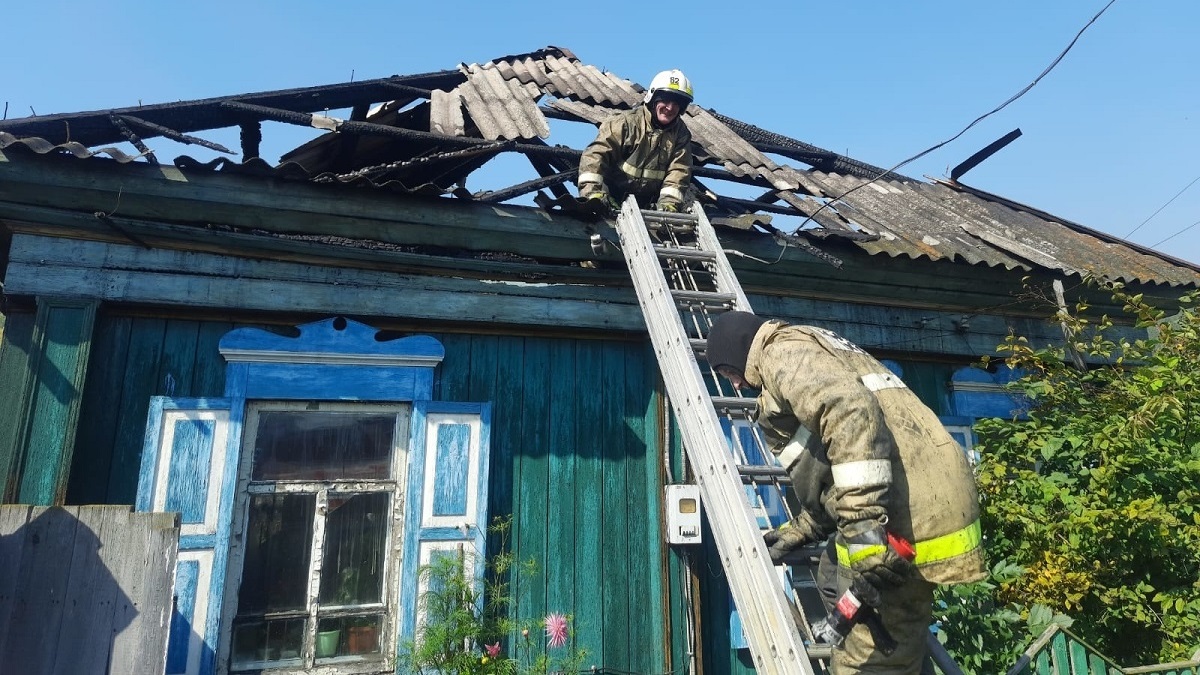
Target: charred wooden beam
pixel 408 90
pixel 420 162
pixel 546 169
pixel 186 139
pixel 93 128
pixel 368 128
pixel 556 114
pixel 133 138
pixel 550 166
pixel 251 139
pixel 767 141
pixel 525 188
pixel 752 205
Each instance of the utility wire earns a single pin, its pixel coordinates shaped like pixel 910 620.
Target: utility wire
pixel 977 120
pixel 1155 245
pixel 1185 189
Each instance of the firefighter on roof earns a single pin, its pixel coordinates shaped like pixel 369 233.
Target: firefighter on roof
pixel 644 152
pixel 866 459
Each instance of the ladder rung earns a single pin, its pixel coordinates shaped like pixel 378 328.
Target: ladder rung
pixel 705 297
pixel 805 556
pixel 668 217
pixel 758 471
pixel 669 253
pixel 819 652
pixel 734 403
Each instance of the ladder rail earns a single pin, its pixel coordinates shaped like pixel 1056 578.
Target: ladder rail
pixel 706 236
pixel 767 617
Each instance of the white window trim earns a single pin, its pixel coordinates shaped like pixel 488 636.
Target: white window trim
pixel 388 637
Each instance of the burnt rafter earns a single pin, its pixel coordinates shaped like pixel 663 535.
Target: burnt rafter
pixel 495 196
pixel 160 130
pixel 547 168
pixel 133 138
pixel 94 128
pixel 408 90
pixel 769 141
pixel 427 163
pixel 251 135
pixel 368 128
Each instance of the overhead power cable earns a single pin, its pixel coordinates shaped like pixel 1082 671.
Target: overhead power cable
pixel 1155 245
pixel 977 120
pixel 1185 189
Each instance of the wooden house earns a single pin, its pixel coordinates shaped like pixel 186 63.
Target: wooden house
pixel 340 366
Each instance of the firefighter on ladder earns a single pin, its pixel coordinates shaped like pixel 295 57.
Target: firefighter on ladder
pixel 645 152
pixel 867 460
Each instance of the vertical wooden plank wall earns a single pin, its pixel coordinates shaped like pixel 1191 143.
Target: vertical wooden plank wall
pixel 14 381
pixel 577 460
pixel 134 358
pixel 49 401
pixel 560 530
pixel 531 499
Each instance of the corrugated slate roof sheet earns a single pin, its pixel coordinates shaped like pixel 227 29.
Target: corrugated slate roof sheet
pixel 479 110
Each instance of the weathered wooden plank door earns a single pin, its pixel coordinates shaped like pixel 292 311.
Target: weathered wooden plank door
pixel 447 498
pixel 189 467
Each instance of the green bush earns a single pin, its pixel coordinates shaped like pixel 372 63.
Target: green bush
pixel 1095 493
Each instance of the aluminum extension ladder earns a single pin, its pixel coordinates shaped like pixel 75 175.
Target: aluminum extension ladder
pixel 683 281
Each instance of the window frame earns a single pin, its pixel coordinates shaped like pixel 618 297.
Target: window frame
pixel 395 485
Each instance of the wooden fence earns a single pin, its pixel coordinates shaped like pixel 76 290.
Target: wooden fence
pixel 85 590
pixel 1058 652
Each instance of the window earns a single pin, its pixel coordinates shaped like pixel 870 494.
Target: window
pixel 319 509
pixel 309 495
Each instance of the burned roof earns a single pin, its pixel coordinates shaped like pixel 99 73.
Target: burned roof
pixel 426 133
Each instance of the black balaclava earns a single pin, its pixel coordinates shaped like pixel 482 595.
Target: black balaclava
pixel 730 339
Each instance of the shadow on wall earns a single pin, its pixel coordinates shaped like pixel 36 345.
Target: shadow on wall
pixel 85 589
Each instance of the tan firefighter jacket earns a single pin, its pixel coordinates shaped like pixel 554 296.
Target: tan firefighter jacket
pixel 859 444
pixel 631 156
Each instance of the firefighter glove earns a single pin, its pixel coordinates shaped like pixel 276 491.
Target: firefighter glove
pixel 669 207
pixel 783 540
pixel 864 548
pixel 606 201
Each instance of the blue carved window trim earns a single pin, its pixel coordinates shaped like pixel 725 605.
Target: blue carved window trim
pixel 333 360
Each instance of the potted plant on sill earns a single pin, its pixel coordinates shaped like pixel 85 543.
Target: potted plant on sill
pixel 362 634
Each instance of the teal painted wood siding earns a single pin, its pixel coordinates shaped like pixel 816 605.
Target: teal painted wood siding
pixel 576 458
pixel 133 359
pixel 14 378
pixel 47 395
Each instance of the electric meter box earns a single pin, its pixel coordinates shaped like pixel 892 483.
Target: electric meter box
pixel 683 514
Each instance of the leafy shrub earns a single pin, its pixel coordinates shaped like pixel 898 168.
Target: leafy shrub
pixel 468 629
pixel 1095 492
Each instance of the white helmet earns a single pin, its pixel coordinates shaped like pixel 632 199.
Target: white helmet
pixel 672 81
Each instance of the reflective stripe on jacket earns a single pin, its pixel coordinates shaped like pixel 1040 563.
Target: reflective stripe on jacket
pixel 631 156
pixel 859 445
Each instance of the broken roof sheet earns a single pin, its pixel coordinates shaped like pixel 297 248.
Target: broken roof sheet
pixel 426 133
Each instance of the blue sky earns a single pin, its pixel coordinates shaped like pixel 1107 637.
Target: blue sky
pixel 1110 135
